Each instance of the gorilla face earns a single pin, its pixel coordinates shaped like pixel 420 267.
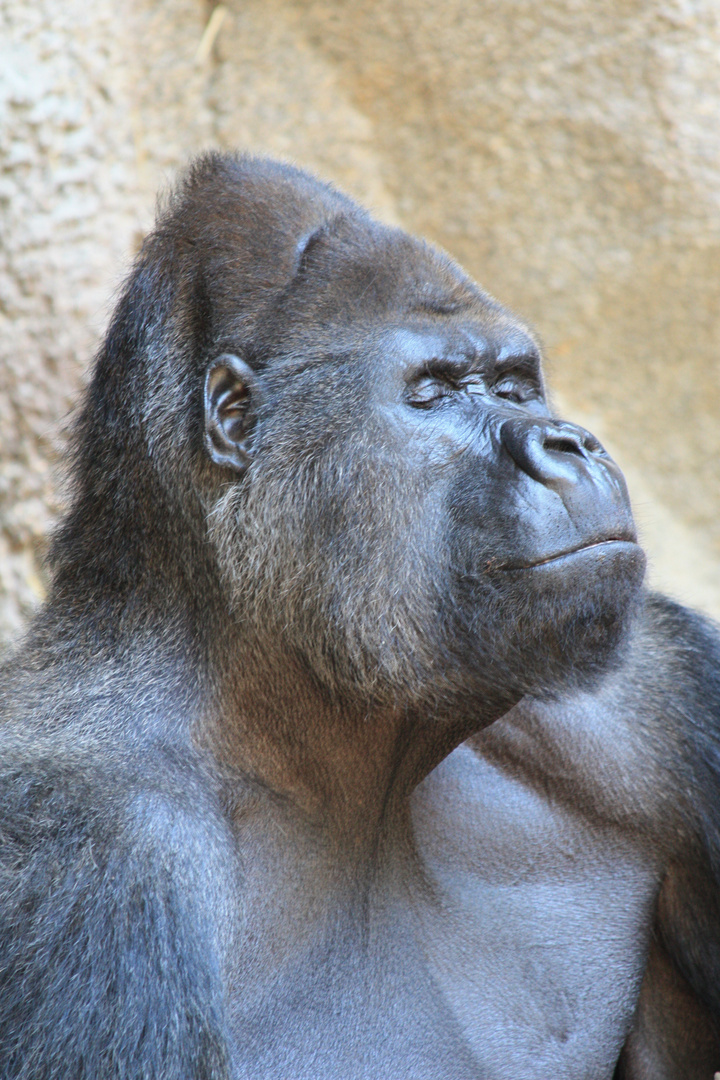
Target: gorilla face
pixel 406 514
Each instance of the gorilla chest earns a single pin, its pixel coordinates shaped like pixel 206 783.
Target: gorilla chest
pixel 353 1011
pixel 516 947
pixel 540 926
pixel 328 980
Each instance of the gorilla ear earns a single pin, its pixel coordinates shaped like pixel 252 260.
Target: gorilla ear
pixel 231 392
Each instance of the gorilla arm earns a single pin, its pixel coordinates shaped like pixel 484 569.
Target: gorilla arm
pixel 109 961
pixel 676 1033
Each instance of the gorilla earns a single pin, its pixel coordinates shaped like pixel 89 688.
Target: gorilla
pixel 347 743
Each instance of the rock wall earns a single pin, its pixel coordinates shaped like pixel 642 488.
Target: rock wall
pixel 567 153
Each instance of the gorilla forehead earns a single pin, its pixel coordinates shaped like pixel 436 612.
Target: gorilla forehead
pixel 287 258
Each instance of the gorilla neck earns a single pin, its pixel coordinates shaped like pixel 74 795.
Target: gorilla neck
pixel 345 768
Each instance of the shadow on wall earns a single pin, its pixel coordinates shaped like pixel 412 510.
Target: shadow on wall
pixel 567 154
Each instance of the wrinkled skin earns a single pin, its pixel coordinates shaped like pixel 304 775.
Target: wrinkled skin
pixel 347 744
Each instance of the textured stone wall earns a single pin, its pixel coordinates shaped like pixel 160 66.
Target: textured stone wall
pixel 567 153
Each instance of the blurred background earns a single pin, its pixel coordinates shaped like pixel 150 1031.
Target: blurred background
pixel 567 153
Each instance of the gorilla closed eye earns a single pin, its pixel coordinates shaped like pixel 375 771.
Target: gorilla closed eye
pixel 513 390
pixel 426 390
pixel 443 382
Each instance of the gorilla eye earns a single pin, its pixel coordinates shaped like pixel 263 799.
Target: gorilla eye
pixel 431 387
pixel 512 389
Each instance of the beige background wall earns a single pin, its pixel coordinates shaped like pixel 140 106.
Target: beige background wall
pixel 568 153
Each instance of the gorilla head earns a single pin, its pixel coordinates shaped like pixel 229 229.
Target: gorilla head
pixel 321 443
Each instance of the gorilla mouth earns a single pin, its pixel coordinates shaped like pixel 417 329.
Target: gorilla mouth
pixel 614 543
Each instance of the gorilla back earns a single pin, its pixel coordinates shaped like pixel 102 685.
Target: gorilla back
pixel 323 530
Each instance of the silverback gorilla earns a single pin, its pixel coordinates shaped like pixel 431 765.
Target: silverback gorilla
pixel 347 744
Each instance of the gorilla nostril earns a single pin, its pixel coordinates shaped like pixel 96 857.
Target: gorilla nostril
pixel 552 452
pixel 563 444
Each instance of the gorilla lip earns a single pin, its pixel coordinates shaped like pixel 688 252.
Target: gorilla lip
pixel 608 542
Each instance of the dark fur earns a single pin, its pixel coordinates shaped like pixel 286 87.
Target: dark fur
pixel 214 644
pixel 677 1028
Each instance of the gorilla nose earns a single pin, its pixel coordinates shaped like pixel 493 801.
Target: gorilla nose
pixel 552 452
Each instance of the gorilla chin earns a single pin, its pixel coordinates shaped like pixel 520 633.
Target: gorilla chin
pixel 565 619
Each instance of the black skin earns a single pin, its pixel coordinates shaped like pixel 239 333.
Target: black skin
pixel 347 743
